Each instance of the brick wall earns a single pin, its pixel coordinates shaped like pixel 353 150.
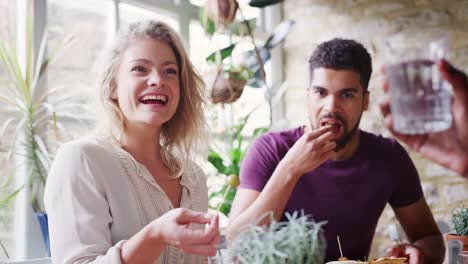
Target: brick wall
pixel 370 21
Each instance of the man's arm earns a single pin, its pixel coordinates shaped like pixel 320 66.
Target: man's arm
pixel 427 245
pixel 250 204
pixel 309 152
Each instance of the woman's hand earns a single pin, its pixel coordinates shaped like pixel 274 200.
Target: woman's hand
pixel 174 229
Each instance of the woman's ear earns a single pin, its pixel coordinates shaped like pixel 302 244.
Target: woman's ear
pixel 113 92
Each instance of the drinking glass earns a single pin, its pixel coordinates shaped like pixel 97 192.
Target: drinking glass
pixel 420 99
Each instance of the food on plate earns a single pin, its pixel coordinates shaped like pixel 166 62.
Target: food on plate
pixel 383 260
pixel 346 262
pixel 388 260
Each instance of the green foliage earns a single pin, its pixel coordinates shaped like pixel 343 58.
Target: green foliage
pixel 253 60
pixel 228 162
pixel 460 221
pixel 239 28
pixel 32 119
pixel 279 34
pixel 298 240
pixel 206 22
pixel 263 3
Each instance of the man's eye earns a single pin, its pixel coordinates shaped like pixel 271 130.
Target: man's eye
pixel 348 95
pixel 138 69
pixel 320 92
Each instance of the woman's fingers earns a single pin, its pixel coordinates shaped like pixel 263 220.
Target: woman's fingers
pixel 186 216
pixel 202 250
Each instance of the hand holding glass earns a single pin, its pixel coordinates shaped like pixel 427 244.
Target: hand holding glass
pixel 420 99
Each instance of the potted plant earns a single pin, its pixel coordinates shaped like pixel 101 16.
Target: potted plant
pixel 226 81
pixel 34 115
pixel 298 240
pixel 460 225
pixel 227 163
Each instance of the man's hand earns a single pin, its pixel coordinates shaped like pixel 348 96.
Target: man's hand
pixel 408 251
pixel 448 148
pixel 310 151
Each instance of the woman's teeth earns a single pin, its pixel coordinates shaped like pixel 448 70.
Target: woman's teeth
pixel 162 99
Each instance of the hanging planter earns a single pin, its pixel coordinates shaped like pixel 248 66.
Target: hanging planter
pixel 221 11
pixel 224 87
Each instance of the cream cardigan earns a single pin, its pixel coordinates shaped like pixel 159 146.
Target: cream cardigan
pixel 97 196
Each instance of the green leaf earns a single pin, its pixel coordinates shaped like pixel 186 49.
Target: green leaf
pixel 235 155
pixel 215 159
pixel 12 195
pixel 223 53
pixel 260 130
pixel 279 33
pixel 263 3
pixel 250 59
pixel 206 22
pixel 255 83
pixel 225 205
pixel 239 28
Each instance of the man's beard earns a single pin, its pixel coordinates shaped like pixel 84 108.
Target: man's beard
pixel 347 136
pixel 344 140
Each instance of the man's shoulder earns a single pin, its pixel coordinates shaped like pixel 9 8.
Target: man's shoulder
pixel 378 142
pixel 276 143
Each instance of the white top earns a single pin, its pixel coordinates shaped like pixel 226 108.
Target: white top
pixel 97 196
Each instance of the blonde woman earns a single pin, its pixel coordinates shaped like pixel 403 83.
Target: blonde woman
pixel 131 193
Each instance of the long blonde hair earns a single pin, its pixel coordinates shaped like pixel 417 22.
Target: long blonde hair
pixel 183 137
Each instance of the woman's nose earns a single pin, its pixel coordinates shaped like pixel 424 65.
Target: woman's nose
pixel 154 79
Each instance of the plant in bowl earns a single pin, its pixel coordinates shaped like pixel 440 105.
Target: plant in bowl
pixel 460 225
pixel 226 82
pixel 298 240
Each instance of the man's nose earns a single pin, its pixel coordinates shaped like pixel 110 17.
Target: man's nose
pixel 331 104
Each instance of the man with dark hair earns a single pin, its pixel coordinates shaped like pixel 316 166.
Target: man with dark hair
pixel 334 171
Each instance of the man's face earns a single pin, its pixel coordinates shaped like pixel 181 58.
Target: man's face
pixel 336 98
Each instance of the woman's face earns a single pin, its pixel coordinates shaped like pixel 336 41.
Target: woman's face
pixel 148 84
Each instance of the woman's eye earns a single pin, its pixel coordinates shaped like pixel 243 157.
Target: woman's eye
pixel 171 71
pixel 138 69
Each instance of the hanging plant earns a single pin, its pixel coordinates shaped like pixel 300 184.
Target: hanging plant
pixel 222 12
pixel 226 86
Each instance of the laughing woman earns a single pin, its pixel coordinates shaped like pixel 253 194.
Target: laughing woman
pixel 131 193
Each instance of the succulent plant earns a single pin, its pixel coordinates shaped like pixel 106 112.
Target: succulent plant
pixel 460 220
pixel 298 240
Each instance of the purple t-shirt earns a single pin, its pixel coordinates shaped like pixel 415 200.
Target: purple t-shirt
pixel 350 194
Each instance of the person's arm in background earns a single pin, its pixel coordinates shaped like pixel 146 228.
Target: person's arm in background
pixel 448 148
pixel 311 150
pixel 427 244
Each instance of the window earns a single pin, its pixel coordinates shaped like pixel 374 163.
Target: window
pixel 132 13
